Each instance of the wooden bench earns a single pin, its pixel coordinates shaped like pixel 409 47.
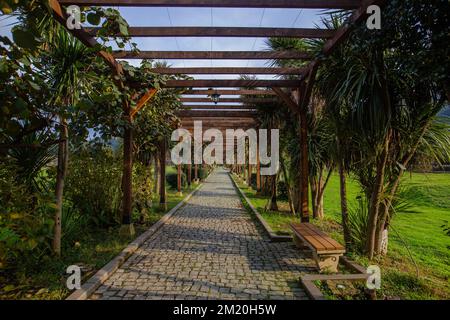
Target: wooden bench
pixel 326 251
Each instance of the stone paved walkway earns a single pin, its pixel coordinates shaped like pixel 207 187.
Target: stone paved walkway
pixel 210 249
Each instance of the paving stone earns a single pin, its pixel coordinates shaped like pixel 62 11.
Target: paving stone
pixel 210 249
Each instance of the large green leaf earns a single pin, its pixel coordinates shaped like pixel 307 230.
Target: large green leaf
pixel 24 39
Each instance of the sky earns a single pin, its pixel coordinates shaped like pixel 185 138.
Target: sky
pixel 219 17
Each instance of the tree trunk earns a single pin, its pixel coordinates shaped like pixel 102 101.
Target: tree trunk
pixel 375 199
pixel 288 186
pixel 344 207
pixel 273 197
pixel 304 171
pixel 162 176
pixel 127 176
pixel 381 242
pixel 156 174
pixel 63 160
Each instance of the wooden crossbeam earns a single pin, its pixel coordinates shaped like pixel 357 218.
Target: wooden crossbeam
pixel 231 83
pixel 82 35
pixel 213 55
pixel 287 4
pixel 215 113
pixel 224 32
pixel 241 92
pixel 285 97
pixel 343 32
pixel 226 107
pixel 210 121
pixel 226 70
pixel 142 101
pixel 227 100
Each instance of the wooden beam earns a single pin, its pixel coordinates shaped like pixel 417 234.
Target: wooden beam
pixel 214 55
pixel 286 4
pixel 224 123
pixel 287 100
pixel 224 32
pixel 82 35
pixel 141 103
pixel 231 83
pixel 228 100
pixel 162 174
pixel 215 113
pixel 213 107
pixel 343 32
pixel 241 92
pixel 277 71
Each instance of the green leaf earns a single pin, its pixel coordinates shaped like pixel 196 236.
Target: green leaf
pixel 93 18
pixel 19 105
pixel 34 86
pixel 123 29
pixel 24 39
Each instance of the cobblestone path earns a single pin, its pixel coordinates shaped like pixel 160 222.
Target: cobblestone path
pixel 210 249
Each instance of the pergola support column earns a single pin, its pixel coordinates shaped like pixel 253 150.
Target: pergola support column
pixel 258 171
pixel 127 228
pixel 189 175
pixel 179 189
pixel 196 173
pixel 162 176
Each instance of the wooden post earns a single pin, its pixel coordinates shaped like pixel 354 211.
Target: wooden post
pixel 162 176
pixel 249 174
pixel 196 173
pixel 304 175
pixel 189 176
pixel 127 228
pixel 305 90
pixel 258 171
pixel 180 191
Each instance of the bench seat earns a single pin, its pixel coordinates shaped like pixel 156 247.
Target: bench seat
pixel 326 251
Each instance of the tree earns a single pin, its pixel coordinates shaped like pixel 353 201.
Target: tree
pixel 388 99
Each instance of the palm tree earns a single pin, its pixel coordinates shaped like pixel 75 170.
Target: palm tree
pixel 66 61
pixel 382 115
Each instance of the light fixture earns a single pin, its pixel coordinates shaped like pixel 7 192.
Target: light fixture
pixel 215 97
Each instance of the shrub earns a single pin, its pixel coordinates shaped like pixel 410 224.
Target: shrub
pixel 203 173
pixel 172 180
pixel 93 184
pixel 73 224
pixel 142 189
pixel 282 190
pixel 26 224
pixel 357 218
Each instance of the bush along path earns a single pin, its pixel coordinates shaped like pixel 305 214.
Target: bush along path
pixel 210 249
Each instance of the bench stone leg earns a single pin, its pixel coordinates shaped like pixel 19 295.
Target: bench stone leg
pixel 327 262
pixel 299 243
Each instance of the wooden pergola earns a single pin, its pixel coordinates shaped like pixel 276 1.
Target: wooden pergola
pixel 295 94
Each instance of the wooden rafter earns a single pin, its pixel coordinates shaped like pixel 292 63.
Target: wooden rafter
pixel 82 35
pixel 287 100
pixel 228 100
pixel 231 83
pixel 142 101
pixel 240 92
pixel 215 107
pixel 215 113
pixel 224 32
pixel 287 4
pixel 213 55
pixel 343 32
pixel 224 70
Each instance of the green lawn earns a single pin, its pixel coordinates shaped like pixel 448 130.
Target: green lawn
pixel 415 238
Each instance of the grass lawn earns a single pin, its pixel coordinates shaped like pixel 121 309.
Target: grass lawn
pixel 417 242
pixel 95 248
